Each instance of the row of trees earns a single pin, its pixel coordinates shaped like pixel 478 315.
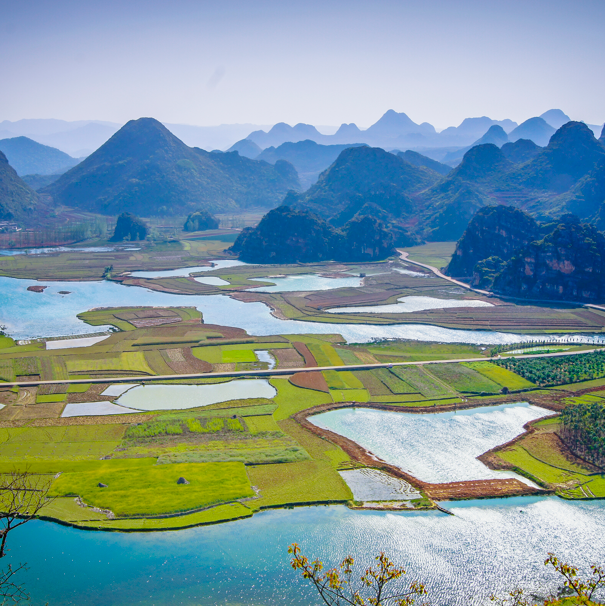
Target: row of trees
pixel 381 585
pixel 558 370
pixel 54 235
pixel 583 430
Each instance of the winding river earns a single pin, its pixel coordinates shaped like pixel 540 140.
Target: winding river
pixel 51 314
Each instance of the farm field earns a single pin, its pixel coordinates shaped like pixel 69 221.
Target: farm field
pixel 436 254
pixel 224 449
pixel 541 456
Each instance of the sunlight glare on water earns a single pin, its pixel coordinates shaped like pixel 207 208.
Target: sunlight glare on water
pixel 487 546
pixel 409 440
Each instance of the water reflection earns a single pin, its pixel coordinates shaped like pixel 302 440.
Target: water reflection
pixel 491 546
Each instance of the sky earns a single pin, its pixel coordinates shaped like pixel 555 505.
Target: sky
pixel 319 62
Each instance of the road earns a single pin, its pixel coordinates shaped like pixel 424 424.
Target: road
pixel 405 257
pixel 277 371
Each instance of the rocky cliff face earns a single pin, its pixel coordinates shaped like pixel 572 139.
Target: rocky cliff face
pixel 494 231
pixel 567 265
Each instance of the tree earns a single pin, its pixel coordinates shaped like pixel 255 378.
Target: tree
pixel 580 591
pixel 200 220
pixel 22 496
pixel 338 587
pixel 583 589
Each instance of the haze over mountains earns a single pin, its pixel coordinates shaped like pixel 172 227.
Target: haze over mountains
pixel 392 130
pixel 146 170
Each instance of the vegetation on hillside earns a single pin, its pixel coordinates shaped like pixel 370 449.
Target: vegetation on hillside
pixel 129 227
pixel 200 220
pixel 287 235
pixel 583 430
pixel 17 199
pixel 144 169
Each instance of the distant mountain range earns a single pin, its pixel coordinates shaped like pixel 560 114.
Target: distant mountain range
pixel 568 175
pixel 392 131
pixel 81 138
pixel 397 131
pixel 144 169
pixel 29 157
pixel 309 158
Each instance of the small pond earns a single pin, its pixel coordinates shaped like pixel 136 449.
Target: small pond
pixel 306 282
pixel 212 281
pixel 265 355
pixel 440 447
pixel 375 485
pixel 177 397
pixel 410 304
pixel 68 343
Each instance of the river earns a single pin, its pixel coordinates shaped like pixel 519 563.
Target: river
pixel 51 314
pixel 487 546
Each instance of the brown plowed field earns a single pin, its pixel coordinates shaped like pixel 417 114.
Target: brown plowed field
pixel 303 350
pixel 310 380
pixel 288 358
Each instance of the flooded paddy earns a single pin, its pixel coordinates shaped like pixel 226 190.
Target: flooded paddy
pixel 90 409
pixel 178 397
pixel 488 546
pixel 306 282
pixel 410 304
pixel 212 281
pixel 187 271
pixel 375 485
pixel 439 447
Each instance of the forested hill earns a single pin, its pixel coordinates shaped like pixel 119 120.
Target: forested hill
pixel 146 170
pixel 17 199
pixel 506 251
pixel 366 181
pixel 287 235
pixel 568 175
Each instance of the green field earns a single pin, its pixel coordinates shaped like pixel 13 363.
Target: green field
pixel 463 379
pixel 80 442
pixel 391 379
pixel 500 375
pixel 422 381
pixel 262 424
pixel 436 254
pixel 154 490
pixel 126 361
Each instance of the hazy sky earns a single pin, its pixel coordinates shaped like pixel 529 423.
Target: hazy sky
pixel 320 62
